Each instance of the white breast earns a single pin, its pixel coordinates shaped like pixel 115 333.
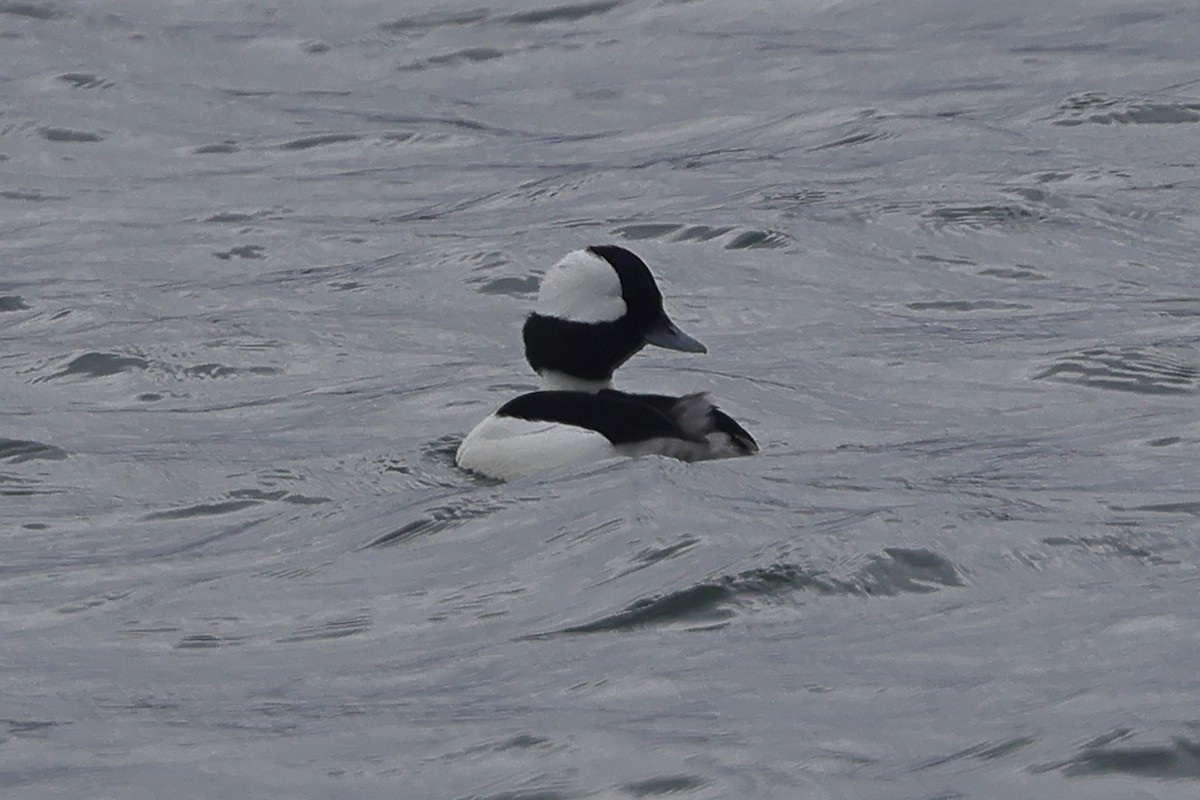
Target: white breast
pixel 507 448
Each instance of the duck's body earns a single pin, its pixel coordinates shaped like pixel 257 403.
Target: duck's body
pixel 547 429
pixel 597 308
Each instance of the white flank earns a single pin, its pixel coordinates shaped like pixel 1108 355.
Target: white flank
pixel 507 448
pixel 582 287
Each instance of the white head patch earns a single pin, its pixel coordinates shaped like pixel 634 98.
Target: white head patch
pixel 582 287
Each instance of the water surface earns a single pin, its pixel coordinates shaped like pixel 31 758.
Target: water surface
pixel 261 268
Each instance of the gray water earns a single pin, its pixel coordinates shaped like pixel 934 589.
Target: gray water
pixel 262 266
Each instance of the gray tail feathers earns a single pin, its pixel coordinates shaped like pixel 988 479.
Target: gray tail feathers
pixel 700 419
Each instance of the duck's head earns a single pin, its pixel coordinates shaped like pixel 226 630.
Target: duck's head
pixel 595 309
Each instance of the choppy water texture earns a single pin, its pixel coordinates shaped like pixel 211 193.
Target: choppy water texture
pixel 262 265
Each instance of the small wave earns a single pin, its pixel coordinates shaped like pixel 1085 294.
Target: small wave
pixel 245 251
pixel 564 13
pixel 84 80
pixel 470 55
pixel 979 217
pixel 438 19
pixel 666 784
pixel 337 628
pixel 529 794
pixel 280 495
pixel 678 232
pixel 852 140
pixel 39 10
pixel 1123 369
pixel 208 641
pixel 897 571
pixel 983 751
pixel 30 196
pixel 201 510
pixel 1178 307
pixel 432 520
pixel 16 451
pixel 20 727
pixel 966 305
pixel 1097 108
pixel 214 371
pixel 1181 507
pixel 99 365
pixel 318 140
pixel 1178 759
pixel 67 135
pixel 1017 273
pixel 506 285
pixel 1107 545
pixel 237 500
pixel 755 240
pixel 647 230
pixel 219 148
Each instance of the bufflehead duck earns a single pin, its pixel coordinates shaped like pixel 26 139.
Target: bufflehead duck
pixel 595 309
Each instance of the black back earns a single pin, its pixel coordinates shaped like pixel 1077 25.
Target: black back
pixel 623 418
pixel 610 413
pixel 593 350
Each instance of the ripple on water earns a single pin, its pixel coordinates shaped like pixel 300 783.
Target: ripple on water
pixel 335 628
pixel 1020 272
pixel 677 232
pixel 1178 759
pixel 84 80
pixel 1123 369
pixel 896 571
pixel 983 751
pixel 759 240
pixel 664 785
pixel 16 451
pixel 967 305
pixel 423 23
pixel 318 140
pixel 570 12
pixel 437 518
pixel 469 55
pixel 1177 307
pixel 852 139
pixel 98 365
pixel 213 370
pixel 238 500
pixel 485 280
pixel 68 135
pixel 981 217
pixel 1097 108
pixel 39 10
pixel 507 285
pixel 1123 545
pixel 1182 507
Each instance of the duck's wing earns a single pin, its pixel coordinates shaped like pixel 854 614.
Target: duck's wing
pixel 619 417
pixel 698 416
